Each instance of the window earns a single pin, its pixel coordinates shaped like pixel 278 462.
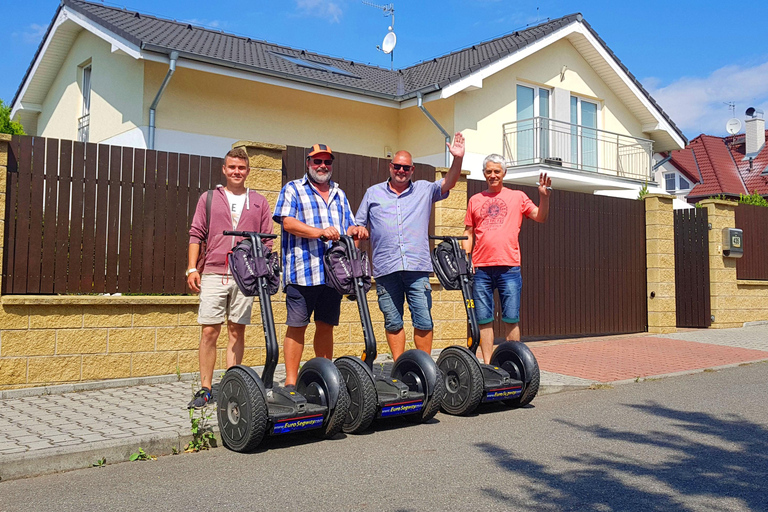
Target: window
pixel 674 182
pixel 532 102
pixel 84 122
pixel 584 133
pixel 319 66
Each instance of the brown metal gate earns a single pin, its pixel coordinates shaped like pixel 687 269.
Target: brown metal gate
pixel 753 221
pixel 692 296
pixel 583 270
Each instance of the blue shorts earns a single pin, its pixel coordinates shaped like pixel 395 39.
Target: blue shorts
pixel 392 290
pixel 509 282
pixel 302 301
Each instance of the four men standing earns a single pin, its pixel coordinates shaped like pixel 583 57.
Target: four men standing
pixel 313 211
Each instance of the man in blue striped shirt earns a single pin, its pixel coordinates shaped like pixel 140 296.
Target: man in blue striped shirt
pixel 312 211
pixel 397 214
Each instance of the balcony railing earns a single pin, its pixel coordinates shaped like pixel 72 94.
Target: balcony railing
pixel 83 124
pixel 546 141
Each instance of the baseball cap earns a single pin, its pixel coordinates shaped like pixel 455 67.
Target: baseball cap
pixel 319 148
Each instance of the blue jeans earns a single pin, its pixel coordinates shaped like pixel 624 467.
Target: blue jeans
pixel 392 290
pixel 509 282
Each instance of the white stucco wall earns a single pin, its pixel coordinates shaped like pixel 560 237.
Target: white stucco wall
pixel 116 92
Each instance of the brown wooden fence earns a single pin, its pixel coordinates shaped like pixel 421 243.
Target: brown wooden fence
pixel 354 174
pixel 692 297
pixel 753 221
pixel 584 270
pixel 88 218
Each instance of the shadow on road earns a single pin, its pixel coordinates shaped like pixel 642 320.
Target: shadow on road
pixel 728 467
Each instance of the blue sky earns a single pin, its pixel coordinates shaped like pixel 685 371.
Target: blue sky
pixel 692 56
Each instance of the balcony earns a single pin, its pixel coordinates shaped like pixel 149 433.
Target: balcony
pixel 556 144
pixel 83 124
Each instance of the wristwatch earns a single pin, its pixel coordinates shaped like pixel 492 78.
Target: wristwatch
pixel 189 271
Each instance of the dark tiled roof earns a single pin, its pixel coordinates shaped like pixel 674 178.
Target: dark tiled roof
pixel 164 36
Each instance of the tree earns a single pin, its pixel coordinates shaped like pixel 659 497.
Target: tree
pixel 6 125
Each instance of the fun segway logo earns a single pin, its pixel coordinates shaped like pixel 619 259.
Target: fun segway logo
pixel 503 393
pixel 401 408
pixel 296 424
pixel 494 211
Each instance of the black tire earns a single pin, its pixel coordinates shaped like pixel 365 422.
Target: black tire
pixel 463 381
pixel 242 411
pixel 518 360
pixel 362 395
pixel 318 383
pixel 418 379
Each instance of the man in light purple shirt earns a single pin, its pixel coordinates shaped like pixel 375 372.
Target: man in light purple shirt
pixel 397 214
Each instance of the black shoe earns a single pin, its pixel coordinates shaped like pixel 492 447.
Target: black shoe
pixel 201 399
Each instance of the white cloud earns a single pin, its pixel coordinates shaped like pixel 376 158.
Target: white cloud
pixel 697 105
pixel 33 34
pixel 204 23
pixel 320 9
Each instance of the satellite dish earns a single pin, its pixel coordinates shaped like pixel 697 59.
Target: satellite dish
pixel 733 126
pixel 390 40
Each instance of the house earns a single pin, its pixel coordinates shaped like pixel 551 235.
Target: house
pixel 718 166
pixel 552 97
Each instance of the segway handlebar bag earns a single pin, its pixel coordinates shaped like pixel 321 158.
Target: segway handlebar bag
pixel 341 270
pixel 449 268
pixel 247 268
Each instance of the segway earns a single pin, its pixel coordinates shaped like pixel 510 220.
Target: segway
pixel 413 388
pixel 513 375
pixel 249 406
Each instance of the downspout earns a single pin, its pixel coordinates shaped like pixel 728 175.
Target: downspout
pixel 168 75
pixel 420 103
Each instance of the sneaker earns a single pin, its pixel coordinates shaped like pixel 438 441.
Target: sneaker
pixel 201 399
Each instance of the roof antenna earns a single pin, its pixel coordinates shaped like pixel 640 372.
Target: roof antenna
pixel 390 40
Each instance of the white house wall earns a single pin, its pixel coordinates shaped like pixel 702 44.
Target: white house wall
pixel 228 109
pixel 116 92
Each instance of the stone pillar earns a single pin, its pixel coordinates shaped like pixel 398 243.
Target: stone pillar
pixel 660 263
pixel 266 176
pixel 449 213
pixel 5 140
pixel 722 271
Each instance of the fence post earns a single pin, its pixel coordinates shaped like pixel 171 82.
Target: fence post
pixel 449 213
pixel 724 293
pixel 5 140
pixel 266 176
pixel 660 263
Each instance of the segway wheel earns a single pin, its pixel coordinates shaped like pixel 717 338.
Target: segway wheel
pixel 409 368
pixel 518 360
pixel 463 381
pixel 318 381
pixel 362 395
pixel 242 411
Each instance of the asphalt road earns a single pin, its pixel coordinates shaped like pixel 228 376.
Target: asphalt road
pixel 696 442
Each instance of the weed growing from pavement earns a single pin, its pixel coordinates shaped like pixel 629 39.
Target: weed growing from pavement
pixel 174 450
pixel 202 435
pixel 600 385
pixel 178 373
pixel 100 463
pixel 141 455
pixel 709 370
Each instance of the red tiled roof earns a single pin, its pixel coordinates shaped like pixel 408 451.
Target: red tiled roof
pixel 684 162
pixel 719 172
pixel 752 177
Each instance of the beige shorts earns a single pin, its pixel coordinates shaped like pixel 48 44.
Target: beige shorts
pixel 220 298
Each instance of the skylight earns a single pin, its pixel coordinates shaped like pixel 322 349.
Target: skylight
pixel 314 65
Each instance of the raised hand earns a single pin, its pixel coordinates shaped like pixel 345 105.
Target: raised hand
pixel 457 148
pixel 545 185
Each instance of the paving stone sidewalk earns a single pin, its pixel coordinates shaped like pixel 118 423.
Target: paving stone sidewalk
pixel 42 433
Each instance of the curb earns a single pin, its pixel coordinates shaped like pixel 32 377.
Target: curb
pixel 55 460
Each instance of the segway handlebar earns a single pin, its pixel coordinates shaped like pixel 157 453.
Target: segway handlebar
pixel 247 234
pixel 432 237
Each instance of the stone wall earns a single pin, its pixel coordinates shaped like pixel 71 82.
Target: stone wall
pixel 660 263
pixel 734 301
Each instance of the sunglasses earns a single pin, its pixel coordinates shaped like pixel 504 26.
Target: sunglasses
pixel 318 161
pixel 406 168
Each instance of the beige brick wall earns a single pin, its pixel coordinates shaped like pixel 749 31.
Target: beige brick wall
pixel 733 301
pixel 660 263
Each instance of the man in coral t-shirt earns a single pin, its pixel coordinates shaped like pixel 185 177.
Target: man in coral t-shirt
pixel 492 226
